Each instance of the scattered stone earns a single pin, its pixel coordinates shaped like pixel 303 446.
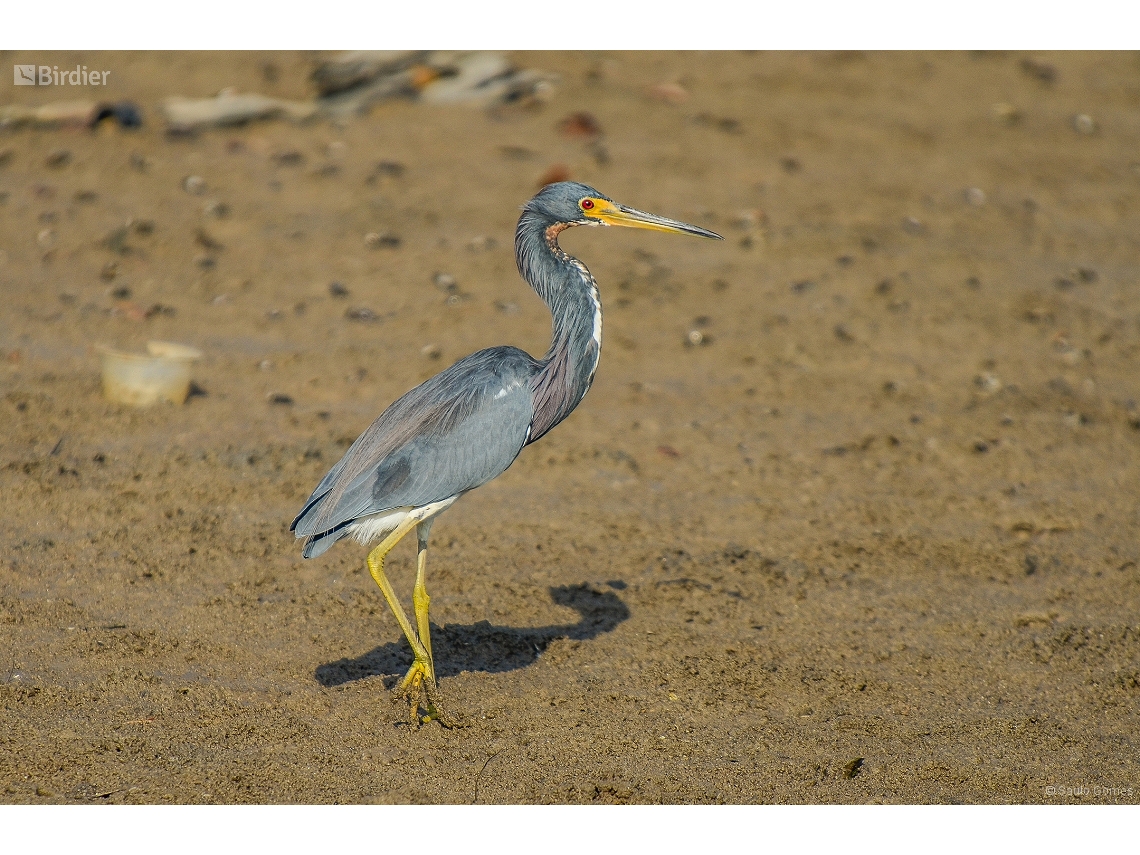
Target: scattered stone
pixel 217 210
pixel 362 314
pixel 1084 124
pixel 338 290
pixel 988 383
pixel 1041 71
pixel 206 241
pixel 669 93
pixel 507 307
pixel 1006 114
pixel 580 125
pixel 385 169
pixel 291 157
pixel 482 243
pixel 431 351
pixel 381 240
pixel 58 159
pixel 280 399
pixel 976 197
pixel 195 185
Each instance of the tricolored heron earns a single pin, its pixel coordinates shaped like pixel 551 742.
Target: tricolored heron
pixel 466 425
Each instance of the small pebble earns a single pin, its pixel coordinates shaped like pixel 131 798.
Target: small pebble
pixel 976 197
pixel 670 93
pixel 195 185
pixel 288 158
pixel 381 240
pixel 46 238
pixel 1039 70
pixel 580 125
pixel 1005 113
pixel 216 209
pixel 280 398
pixel 362 314
pixel 988 382
pixel 58 159
pixel 1084 124
pixel 445 282
pixel 912 226
pixel 431 351
pixel 481 243
pixel 337 289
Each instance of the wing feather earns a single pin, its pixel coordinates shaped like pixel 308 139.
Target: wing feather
pixel 451 434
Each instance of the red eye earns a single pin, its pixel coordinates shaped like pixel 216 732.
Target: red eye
pixel 587 204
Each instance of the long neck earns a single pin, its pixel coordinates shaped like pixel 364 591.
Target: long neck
pixel 568 289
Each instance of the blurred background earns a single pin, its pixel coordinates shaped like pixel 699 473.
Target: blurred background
pixel 849 513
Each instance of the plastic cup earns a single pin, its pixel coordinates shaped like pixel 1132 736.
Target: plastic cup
pixel 161 374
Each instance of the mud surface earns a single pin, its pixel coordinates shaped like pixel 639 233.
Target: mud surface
pixel 872 538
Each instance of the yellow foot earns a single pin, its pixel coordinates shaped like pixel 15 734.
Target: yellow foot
pixel 418 689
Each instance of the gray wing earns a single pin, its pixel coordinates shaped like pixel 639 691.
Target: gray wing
pixel 451 434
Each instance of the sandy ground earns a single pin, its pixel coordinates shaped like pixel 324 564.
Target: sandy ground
pixel 873 539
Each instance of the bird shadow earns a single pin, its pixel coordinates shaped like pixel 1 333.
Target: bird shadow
pixel 484 646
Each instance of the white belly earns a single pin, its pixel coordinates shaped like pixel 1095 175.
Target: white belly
pixel 373 527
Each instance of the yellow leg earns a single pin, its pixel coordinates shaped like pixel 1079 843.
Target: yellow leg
pixel 420 679
pixel 420 595
pixel 376 568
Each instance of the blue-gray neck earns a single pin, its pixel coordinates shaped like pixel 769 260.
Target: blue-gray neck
pixel 568 289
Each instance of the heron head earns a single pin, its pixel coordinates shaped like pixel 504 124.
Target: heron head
pixel 574 204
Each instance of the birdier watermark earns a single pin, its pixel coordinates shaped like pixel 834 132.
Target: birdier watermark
pixel 53 75
pixel 1097 791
